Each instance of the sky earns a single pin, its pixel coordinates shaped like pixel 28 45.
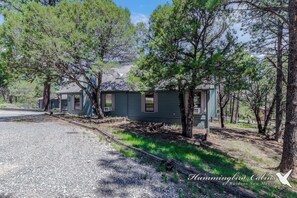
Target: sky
pixel 140 9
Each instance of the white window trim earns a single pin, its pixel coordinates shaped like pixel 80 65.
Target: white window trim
pixel 156 103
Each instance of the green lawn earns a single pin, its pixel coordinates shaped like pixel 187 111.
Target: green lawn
pixel 210 160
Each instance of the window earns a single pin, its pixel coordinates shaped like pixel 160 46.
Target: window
pixel 149 103
pixel 197 103
pixel 77 102
pixel 108 102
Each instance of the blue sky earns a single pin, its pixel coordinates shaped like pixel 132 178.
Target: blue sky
pixel 140 9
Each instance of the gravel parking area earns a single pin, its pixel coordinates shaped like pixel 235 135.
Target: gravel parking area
pixel 47 158
pixel 16 113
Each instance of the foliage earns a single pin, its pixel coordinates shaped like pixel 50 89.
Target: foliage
pixel 185 41
pixel 17 5
pixel 4 76
pixel 74 40
pixel 96 36
pixel 25 92
pixel 260 93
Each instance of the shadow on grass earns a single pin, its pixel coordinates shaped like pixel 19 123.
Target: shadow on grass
pixel 248 136
pixel 169 133
pixel 204 160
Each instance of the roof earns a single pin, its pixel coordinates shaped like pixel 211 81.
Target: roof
pixel 116 79
pixel 70 88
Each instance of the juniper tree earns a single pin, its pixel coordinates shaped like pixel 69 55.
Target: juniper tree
pixel 183 48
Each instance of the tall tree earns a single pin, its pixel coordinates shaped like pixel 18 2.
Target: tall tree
pixel 31 68
pixel 99 34
pixel 77 40
pixel 183 48
pixel 288 160
pixel 270 38
pixel 21 47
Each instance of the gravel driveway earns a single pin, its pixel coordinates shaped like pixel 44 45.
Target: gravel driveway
pixel 40 157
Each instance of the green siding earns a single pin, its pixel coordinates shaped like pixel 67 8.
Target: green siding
pixel 128 104
pixel 168 108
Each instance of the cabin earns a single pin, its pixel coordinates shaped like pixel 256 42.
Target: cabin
pixel 54 102
pixel 119 99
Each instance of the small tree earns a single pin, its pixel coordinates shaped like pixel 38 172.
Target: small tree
pixel 259 94
pixel 230 75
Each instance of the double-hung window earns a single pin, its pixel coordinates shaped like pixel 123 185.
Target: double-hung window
pixel 77 102
pixel 149 102
pixel 197 103
pixel 108 102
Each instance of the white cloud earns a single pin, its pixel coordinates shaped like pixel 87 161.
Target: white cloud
pixel 138 17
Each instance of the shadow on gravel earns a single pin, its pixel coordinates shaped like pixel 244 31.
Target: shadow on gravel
pixel 122 177
pixel 25 118
pixel 6 195
pixel 72 132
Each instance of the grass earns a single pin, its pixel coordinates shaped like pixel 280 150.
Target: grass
pixel 210 160
pixel 242 125
pixel 204 160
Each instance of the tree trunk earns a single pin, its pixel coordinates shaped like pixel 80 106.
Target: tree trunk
pixel 98 97
pixel 258 120
pixel 269 114
pixel 232 109
pixel 288 160
pixel 279 84
pixel 3 94
pixel 221 109
pixel 226 112
pixel 265 107
pixel 222 116
pixel 236 117
pixel 46 94
pixel 182 109
pixel 190 114
pixel 222 106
